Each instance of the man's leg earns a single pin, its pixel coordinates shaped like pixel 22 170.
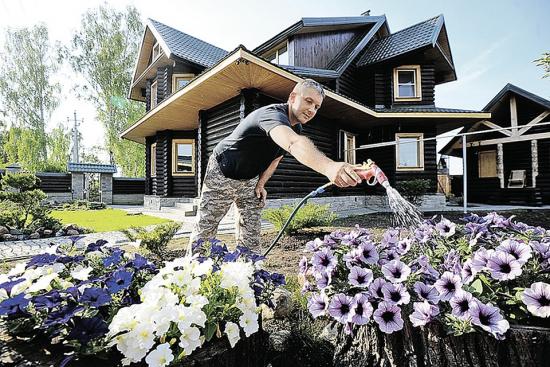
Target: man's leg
pixel 248 216
pixel 216 198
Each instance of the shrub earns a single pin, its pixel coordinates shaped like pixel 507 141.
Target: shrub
pixel 83 205
pixel 478 276
pixel 310 215
pixel 156 240
pixel 20 201
pixel 413 190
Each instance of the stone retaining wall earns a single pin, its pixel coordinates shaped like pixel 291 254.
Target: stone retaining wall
pixel 128 199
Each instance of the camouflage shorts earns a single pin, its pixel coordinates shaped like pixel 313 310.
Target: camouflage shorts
pixel 218 193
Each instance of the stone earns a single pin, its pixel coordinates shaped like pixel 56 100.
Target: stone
pixel 283 303
pixel 34 236
pixel 59 233
pixel 4 230
pixel 279 341
pixel 68 227
pixel 72 232
pixel 16 231
pixel 47 232
pixel 8 237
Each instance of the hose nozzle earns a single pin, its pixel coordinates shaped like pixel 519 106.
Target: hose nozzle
pixel 372 174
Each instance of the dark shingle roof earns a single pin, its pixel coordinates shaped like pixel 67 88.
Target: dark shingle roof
pixel 522 92
pixel 188 47
pixel 406 40
pixel 91 167
pixel 424 109
pixel 311 72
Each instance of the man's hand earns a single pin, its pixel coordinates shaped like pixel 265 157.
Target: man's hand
pixel 261 194
pixel 342 174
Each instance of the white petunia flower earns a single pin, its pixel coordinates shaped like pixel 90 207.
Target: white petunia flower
pixel 17 269
pixel 190 339
pixel 233 333
pixel 160 357
pixel 81 273
pixel 43 283
pixel 249 322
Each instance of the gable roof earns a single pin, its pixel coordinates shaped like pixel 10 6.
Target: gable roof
pixel 510 88
pixel 241 69
pixel 184 46
pixel 412 38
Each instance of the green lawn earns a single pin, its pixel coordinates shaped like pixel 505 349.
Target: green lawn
pixel 106 219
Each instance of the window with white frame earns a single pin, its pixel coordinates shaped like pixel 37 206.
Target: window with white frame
pixel 409 151
pixel 487 164
pixel 348 146
pixel 153 170
pixel 154 90
pixel 180 80
pixel 183 157
pixel 406 83
pixel 279 56
pixel 156 52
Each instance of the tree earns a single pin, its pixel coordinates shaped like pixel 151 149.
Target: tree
pixel 104 51
pixel 544 61
pixel 27 91
pixel 59 142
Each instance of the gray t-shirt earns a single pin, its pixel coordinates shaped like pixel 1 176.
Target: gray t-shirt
pixel 249 150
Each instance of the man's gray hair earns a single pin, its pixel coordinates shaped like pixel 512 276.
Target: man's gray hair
pixel 310 83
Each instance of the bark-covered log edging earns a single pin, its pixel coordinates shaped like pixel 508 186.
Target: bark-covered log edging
pixel 431 347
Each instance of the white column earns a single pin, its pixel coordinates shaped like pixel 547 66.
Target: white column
pixel 464 176
pixel 500 164
pixel 534 162
pixel 514 115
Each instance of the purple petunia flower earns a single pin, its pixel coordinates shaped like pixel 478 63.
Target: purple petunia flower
pixel 396 294
pixel 388 317
pixel 340 307
pixel 95 246
pixel 503 266
pixel 447 285
pixel 62 316
pixel 139 262
pixel 390 238
pixel 114 258
pixel 451 262
pixel 48 300
pixel 426 292
pixel 489 319
pixel 423 313
pixel 41 260
pixel 396 271
pixel 537 299
pixel 324 260
pixel 519 250
pixel 14 305
pixel 86 329
pixel 353 258
pixel 404 245
pixel 423 233
pixel 315 245
pixel 461 303
pixel 445 227
pixel 467 273
pixel 303 265
pixel 369 255
pixel 120 280
pixel 376 288
pixel 360 277
pixel 426 268
pixel 95 297
pixel 317 304
pixel 7 286
pixel 541 248
pixel 481 256
pixel 307 287
pixel 361 309
pixel 322 279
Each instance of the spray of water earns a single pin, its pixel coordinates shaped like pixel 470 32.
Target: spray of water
pixel 405 214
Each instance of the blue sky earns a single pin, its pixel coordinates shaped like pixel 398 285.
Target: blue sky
pixel 493 42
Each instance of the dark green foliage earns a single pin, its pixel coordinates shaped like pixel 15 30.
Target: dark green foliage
pixel 413 190
pixel 20 201
pixel 310 215
pixel 156 240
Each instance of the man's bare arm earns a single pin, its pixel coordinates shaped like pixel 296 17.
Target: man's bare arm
pixel 266 175
pixel 300 147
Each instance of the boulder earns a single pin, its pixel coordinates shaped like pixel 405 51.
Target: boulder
pixel 47 232
pixel 34 236
pixel 4 230
pixel 282 299
pixel 16 232
pixel 72 232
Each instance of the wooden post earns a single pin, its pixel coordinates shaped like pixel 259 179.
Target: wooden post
pixel 534 162
pixel 500 164
pixel 514 115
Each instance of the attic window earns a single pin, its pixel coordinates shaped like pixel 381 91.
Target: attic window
pixel 279 56
pixel 406 83
pixel 156 51
pixel 180 80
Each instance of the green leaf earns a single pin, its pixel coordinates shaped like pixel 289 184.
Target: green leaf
pixel 210 331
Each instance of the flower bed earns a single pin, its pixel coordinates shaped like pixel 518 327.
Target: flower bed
pixel 479 276
pixel 92 298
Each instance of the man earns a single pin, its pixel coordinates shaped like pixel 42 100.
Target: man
pixel 243 162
